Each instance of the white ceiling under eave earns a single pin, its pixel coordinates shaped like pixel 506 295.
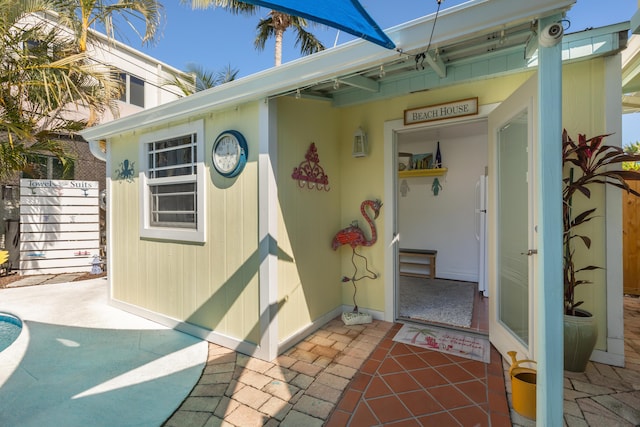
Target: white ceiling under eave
pixel 631 75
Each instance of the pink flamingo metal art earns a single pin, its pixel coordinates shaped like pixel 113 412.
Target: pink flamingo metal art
pixel 354 236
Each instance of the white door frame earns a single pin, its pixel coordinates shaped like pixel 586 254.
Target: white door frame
pixel 391 129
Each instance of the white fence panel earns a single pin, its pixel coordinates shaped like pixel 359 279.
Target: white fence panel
pixel 40 200
pixel 47 238
pixel 55 219
pixel 57 245
pixel 62 253
pixel 60 228
pixel 58 210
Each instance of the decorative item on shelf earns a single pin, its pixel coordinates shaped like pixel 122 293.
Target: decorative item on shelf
pixel 360 144
pixel 422 161
pixel 436 187
pixel 354 236
pixel 404 188
pixel 309 173
pixel 438 162
pixel 404 161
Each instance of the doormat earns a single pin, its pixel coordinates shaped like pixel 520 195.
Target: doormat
pixel 437 300
pixel 448 341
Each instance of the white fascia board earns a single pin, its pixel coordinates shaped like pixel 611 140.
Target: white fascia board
pixel 453 24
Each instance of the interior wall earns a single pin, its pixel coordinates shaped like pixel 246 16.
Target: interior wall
pixel 447 222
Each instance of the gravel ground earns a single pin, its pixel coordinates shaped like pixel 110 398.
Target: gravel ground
pixel 14 276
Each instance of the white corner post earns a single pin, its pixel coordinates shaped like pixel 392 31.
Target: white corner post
pixel 268 231
pixel 549 289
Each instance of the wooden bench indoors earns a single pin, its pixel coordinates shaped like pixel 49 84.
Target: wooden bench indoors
pixel 418 262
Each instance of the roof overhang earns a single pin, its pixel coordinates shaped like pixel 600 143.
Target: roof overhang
pixel 454 25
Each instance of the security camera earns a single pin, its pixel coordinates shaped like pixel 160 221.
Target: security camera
pixel 551 35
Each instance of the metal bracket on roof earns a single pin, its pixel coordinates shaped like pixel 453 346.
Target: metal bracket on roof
pixel 436 64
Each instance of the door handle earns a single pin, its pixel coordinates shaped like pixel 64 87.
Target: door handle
pixel 529 252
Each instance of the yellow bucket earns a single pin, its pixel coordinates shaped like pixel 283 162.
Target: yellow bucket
pixel 523 386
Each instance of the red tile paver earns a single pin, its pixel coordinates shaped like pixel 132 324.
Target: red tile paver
pixel 364 384
pixel 359 383
pixel 388 409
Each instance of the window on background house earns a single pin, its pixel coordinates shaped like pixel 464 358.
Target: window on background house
pixel 49 167
pixel 173 183
pixel 133 90
pixel 43 48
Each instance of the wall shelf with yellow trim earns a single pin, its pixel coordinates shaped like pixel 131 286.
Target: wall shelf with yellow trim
pixel 422 172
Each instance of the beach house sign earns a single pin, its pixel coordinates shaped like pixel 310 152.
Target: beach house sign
pixel 463 107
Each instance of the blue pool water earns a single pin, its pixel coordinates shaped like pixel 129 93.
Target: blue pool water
pixel 10 327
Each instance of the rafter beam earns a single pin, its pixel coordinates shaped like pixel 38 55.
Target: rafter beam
pixel 436 65
pixel 631 101
pixel 360 82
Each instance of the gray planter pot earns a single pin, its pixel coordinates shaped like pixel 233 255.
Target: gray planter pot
pixel 580 335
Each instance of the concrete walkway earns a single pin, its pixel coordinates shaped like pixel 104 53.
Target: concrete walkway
pixel 80 362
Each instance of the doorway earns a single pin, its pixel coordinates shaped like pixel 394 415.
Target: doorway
pixel 441 240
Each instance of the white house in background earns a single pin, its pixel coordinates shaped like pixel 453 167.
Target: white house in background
pixel 145 80
pixel 144 76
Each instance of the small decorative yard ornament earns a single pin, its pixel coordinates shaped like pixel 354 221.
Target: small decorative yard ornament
pixel 354 237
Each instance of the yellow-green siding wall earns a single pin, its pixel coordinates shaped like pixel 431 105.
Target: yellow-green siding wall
pixel 213 285
pixel 584 112
pixel 308 270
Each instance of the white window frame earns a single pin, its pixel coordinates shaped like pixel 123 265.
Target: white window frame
pixel 173 233
pixel 126 81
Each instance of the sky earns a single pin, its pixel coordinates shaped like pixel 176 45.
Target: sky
pixel 215 39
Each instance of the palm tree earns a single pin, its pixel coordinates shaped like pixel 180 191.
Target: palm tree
pixel 273 26
pixel 276 24
pixel 81 15
pixel 202 79
pixel 43 82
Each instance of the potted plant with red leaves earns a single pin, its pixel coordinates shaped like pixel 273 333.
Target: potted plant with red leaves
pixel 587 163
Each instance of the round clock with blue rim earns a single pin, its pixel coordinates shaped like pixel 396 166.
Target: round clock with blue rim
pixel 229 154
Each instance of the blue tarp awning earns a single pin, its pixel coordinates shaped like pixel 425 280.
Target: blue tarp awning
pixel 346 15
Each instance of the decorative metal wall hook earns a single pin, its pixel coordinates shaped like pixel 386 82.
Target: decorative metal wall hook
pixel 309 173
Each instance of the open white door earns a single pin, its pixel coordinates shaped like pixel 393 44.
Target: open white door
pixel 511 221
